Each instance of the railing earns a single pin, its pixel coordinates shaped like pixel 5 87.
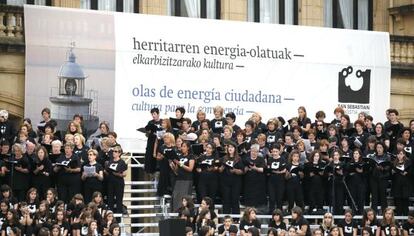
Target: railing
pixel 402 52
pixel 11 24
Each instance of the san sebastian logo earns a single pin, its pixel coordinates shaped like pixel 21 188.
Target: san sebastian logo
pixel 354 87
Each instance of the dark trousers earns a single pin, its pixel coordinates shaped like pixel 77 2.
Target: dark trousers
pixel 164 180
pixel 401 206
pixel 276 190
pixel 338 196
pixel 42 185
pixel 294 193
pixel 316 192
pixel 357 189
pixel 208 185
pixel 89 189
pixel 115 195
pixel 378 191
pixel 231 197
pixel 67 190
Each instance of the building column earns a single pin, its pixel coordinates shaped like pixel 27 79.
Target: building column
pixel 153 7
pixel 234 10
pixel 66 3
pixel 311 12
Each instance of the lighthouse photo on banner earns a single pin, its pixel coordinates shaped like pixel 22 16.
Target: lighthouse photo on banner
pixel 70 67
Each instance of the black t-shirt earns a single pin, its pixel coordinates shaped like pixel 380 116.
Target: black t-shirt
pixel 217 125
pixel 280 226
pixel 230 164
pixel 409 228
pixel 245 225
pixel 118 166
pixel 205 162
pixel 47 167
pixel 92 180
pixel 348 228
pixel 386 229
pixel 232 228
pixel 299 223
pixel 7 227
pixel 181 173
pixel 278 164
pixel 82 153
pixel 20 179
pixel 64 226
pixel 373 226
pixel 74 162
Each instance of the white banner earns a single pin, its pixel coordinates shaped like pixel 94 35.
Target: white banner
pixel 167 62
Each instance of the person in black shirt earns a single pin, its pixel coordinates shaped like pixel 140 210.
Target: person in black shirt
pixel 116 171
pixel 7 131
pixel 11 224
pixel 196 125
pixel 369 219
pixel 356 178
pixel 163 151
pixel 68 169
pixel 327 224
pixel 151 132
pixel 359 137
pixel 231 171
pixel 393 128
pixel 277 221
pixel 227 228
pixel 273 134
pixel 335 171
pixel 230 120
pixel 303 121
pixel 92 175
pixel 401 186
pixel 42 170
pixel 259 126
pixel 387 221
pixel 408 226
pixel 380 172
pixel 255 179
pixel 207 169
pixel 276 166
pixel 299 222
pixel 294 175
pixel 348 226
pixel 218 123
pixel 314 172
pixel 184 175
pixel 249 220
pixel 19 172
pixel 338 112
pixel 81 150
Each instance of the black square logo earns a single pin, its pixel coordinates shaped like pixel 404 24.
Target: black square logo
pixel 354 88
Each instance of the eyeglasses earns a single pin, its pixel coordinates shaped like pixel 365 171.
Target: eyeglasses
pixel 319 124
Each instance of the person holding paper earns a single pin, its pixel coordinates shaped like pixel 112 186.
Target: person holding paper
pixel 68 174
pixel 92 176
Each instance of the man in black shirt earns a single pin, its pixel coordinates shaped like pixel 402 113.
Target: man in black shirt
pixel 408 227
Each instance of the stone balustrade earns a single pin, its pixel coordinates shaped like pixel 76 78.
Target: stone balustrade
pixel 11 24
pixel 402 51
